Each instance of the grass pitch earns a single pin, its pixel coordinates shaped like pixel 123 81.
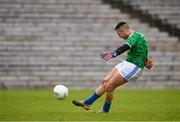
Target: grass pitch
pixel 41 105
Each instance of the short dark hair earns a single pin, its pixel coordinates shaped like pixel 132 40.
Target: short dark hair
pixel 121 25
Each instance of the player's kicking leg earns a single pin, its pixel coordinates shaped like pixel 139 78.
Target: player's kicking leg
pixel 85 104
pixel 81 104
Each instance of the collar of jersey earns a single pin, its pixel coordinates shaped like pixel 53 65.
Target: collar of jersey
pixel 130 35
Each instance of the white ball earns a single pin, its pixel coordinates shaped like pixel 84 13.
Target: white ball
pixel 60 91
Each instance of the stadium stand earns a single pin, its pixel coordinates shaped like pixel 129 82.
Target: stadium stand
pixel 161 13
pixel 48 42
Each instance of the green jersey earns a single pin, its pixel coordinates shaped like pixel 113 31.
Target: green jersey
pixel 138 49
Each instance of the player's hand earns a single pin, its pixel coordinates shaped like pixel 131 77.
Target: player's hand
pixel 149 64
pixel 106 55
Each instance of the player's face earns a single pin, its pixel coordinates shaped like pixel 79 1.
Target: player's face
pixel 121 33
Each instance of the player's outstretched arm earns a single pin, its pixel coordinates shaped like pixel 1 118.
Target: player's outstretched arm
pixel 107 55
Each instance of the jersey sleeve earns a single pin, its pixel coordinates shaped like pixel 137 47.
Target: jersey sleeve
pixel 130 42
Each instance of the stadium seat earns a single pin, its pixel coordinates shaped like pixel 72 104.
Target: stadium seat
pixel 45 42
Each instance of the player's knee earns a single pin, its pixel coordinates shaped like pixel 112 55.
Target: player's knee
pixel 104 81
pixel 109 88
